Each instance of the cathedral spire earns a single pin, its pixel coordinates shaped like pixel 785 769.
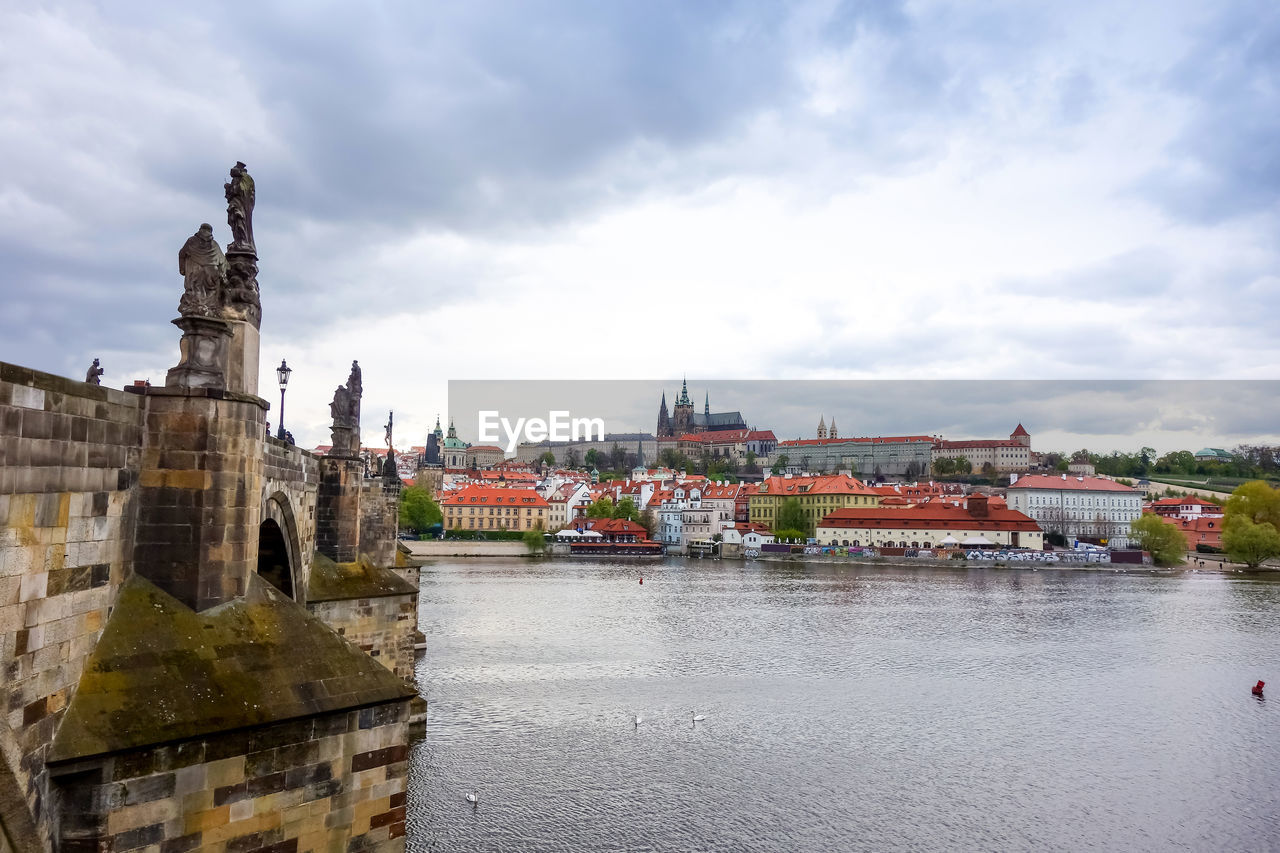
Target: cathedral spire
pixel 822 427
pixel 683 399
pixel 706 406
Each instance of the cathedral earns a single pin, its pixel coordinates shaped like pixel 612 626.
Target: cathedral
pixel 682 418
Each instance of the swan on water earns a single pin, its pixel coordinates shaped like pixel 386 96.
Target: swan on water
pixel 637 720
pixel 697 718
pixel 474 798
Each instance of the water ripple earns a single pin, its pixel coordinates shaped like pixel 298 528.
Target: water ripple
pixel 846 708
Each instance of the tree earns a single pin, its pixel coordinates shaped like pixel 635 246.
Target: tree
pixel 781 462
pixel 418 510
pixel 790 534
pixel 592 458
pixel 648 521
pixel 791 516
pixel 547 458
pixel 1249 542
pixel 627 509
pixel 962 465
pixel 1257 502
pixel 1164 541
pixel 535 541
pixel 1062 465
pixel 602 507
pixel 1251 529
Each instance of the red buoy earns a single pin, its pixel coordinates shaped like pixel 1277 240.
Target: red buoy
pixel 1257 688
pixel 642 581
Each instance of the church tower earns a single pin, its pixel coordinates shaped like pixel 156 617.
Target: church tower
pixel 682 414
pixel 664 419
pixel 833 432
pixel 822 427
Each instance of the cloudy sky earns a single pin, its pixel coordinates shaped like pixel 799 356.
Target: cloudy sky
pixel 598 190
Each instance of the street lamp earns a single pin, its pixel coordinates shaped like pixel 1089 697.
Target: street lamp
pixel 282 376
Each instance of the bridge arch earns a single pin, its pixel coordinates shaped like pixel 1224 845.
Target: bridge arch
pixel 279 550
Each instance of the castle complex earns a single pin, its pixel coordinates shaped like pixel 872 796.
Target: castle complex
pixel 206 633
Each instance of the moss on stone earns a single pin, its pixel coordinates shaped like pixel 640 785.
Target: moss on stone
pixel 163 672
pixel 332 581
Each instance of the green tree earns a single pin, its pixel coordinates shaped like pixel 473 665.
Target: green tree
pixel 1256 501
pixel 592 459
pixel 535 541
pixel 418 510
pixel 648 521
pixel 1248 542
pixel 781 462
pixel 1164 541
pixel 1062 465
pixel 547 458
pixel 791 516
pixel 602 507
pixel 790 534
pixel 962 465
pixel 627 509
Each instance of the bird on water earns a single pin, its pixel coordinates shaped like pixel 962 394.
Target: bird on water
pixel 697 718
pixel 474 798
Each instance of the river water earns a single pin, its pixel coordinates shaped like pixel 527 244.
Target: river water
pixel 846 708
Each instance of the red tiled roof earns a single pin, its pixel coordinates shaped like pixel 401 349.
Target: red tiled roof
pixel 936 516
pixel 878 439
pixel 976 442
pixel 1020 431
pixel 1071 483
pixel 832 484
pixel 1187 501
pixel 493 496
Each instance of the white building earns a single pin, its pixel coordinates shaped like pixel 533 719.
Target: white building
pixel 1089 508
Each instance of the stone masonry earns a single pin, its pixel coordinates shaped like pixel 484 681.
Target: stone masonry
pixel 168 683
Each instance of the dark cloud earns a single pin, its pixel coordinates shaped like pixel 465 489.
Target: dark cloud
pixel 1086 411
pixel 367 127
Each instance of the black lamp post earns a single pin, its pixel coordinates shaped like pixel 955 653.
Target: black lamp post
pixel 282 376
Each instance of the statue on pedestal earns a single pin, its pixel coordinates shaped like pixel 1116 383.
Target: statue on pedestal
pixel 345 411
pixel 93 377
pixel 240 197
pixel 242 297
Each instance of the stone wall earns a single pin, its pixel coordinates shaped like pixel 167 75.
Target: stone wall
pixel 338 508
pixel 68 460
pixel 200 494
pixel 333 782
pixel 379 521
pixel 290 490
pixel 382 627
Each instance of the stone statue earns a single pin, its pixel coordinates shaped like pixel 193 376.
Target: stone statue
pixel 93 377
pixel 204 272
pixel 240 195
pixel 340 408
pixel 355 385
pixel 390 420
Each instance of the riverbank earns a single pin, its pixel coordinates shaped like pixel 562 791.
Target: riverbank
pixel 429 548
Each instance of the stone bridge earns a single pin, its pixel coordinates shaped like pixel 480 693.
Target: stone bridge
pixel 189 608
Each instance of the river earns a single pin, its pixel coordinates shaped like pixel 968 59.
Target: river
pixel 846 708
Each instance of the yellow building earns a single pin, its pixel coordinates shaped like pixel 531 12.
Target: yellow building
pixel 818 497
pixel 483 508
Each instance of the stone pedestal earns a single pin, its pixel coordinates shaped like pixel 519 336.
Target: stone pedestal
pixel 242 358
pixel 200 494
pixel 203 354
pixel 338 508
